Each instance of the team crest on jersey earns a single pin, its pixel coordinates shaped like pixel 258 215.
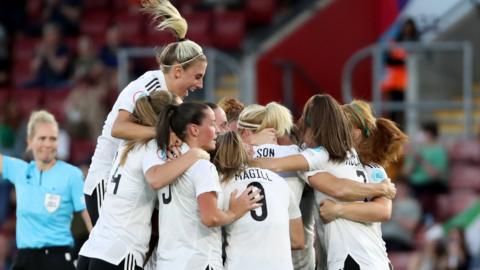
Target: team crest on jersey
pixel 319 149
pixel 377 175
pixel 52 202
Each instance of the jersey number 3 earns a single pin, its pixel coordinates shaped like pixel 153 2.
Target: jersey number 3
pixel 165 199
pixel 264 213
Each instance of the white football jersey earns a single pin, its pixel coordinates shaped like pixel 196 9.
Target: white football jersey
pixel 261 239
pixel 302 259
pixel 106 144
pixel 184 242
pixel 343 237
pixel 124 225
pixel 376 174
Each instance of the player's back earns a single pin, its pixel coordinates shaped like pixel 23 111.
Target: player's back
pixel 344 237
pixel 302 259
pixel 260 239
pixel 127 210
pixel 184 241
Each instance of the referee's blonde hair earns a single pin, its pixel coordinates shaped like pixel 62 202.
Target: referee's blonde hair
pixel 230 156
pixel 382 141
pixel 184 52
pixel 145 113
pixel 37 117
pixel 257 117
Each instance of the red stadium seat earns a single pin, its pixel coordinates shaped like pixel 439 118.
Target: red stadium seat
pixel 21 73
pixel 400 260
pixel 461 200
pixel 95 23
pixel 464 176
pixel 120 5
pixel 81 150
pixel 229 29
pixel 55 103
pixel 131 27
pixel 34 10
pixel 28 100
pixel 24 48
pixel 4 96
pixel 156 38
pixel 466 151
pixel 199 24
pixel 260 12
pixel 90 5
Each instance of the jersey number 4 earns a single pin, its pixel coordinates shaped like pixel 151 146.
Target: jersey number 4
pixel 264 212
pixel 116 179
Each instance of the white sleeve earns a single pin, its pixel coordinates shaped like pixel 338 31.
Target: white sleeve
pixel 296 185
pixel 204 177
pixel 128 96
pixel 316 157
pixel 307 174
pixel 293 207
pixel 152 156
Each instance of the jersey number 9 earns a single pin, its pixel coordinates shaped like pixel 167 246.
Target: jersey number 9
pixel 263 201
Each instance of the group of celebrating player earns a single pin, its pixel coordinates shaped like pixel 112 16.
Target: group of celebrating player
pixel 271 196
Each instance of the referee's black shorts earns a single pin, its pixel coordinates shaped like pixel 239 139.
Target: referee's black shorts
pixel 48 258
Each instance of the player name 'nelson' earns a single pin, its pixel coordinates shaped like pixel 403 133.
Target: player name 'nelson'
pixel 252 173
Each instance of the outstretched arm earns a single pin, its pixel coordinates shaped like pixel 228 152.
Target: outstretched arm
pixel 124 128
pixel 378 210
pixel 349 190
pixel 284 164
pixel 297 234
pixel 162 175
pixel 212 216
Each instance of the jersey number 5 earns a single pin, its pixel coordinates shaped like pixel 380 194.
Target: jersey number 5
pixel 263 201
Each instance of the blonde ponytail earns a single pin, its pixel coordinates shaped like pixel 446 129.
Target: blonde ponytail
pixel 168 15
pixel 258 118
pixel 184 52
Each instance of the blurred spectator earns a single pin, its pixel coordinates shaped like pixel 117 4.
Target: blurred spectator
pixel 398 232
pixel 51 64
pixel 4 56
pixel 85 110
pixel 433 256
pixel 5 203
pixel 5 252
pixel 463 238
pixel 457 254
pixel 10 120
pixel 396 79
pixel 65 13
pixel 108 53
pixel 86 58
pixel 426 167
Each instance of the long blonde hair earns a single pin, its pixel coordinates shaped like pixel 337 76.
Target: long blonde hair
pixel 229 164
pixel 146 111
pixel 257 117
pixel 184 52
pixel 382 141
